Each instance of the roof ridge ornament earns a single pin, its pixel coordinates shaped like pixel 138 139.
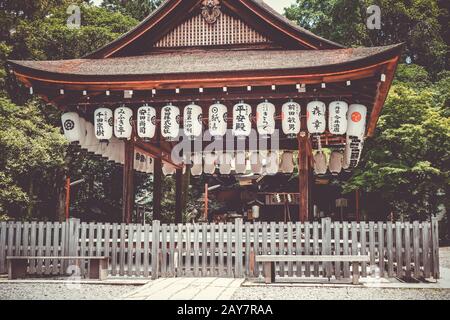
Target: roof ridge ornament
pixel 211 10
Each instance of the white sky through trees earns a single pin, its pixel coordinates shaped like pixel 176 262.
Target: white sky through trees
pixel 278 5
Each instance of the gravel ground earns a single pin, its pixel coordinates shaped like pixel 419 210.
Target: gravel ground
pixel 302 293
pixel 55 291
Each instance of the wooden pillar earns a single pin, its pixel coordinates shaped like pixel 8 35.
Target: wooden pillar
pixel 157 190
pixel 67 198
pixel 304 176
pixel 179 197
pixel 205 213
pixel 358 217
pixel 128 182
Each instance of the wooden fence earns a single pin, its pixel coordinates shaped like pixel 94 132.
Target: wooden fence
pixel 226 250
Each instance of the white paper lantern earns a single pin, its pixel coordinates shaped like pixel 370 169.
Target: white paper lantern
pixel 170 122
pixel 287 162
pixel 168 170
pixel 337 117
pixel 193 121
pixel 218 120
pixel 197 164
pixel 273 163
pixel 345 163
pixel 290 115
pixel 240 162
pixel 265 118
pixel 83 133
pixel 320 163
pixel 256 163
pixel 71 125
pixel 353 152
pixel 336 162
pixel 357 115
pixel 123 117
pixel 146 122
pixel 316 117
pixel 242 124
pixel 225 159
pixel 103 123
pixel 255 212
pixel 210 163
pixel 91 141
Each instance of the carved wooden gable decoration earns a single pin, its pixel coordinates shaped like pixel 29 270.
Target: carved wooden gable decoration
pixel 199 31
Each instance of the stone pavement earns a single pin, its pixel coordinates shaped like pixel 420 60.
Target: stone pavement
pixel 186 289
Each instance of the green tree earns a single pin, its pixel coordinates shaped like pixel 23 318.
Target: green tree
pixel 408 161
pixel 138 9
pixel 421 24
pixel 32 150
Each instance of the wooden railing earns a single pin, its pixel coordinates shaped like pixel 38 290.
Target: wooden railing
pixel 227 250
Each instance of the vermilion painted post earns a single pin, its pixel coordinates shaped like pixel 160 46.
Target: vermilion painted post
pixel 67 197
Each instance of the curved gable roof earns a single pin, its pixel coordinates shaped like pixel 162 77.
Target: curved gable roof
pixel 254 12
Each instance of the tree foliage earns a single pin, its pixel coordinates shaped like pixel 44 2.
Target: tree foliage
pixel 421 24
pixel 138 9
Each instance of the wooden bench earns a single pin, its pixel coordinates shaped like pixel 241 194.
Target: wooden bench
pixel 269 263
pixel 17 266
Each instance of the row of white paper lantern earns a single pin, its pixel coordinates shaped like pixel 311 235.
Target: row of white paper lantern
pixel 338 160
pixel 342 119
pixel 242 163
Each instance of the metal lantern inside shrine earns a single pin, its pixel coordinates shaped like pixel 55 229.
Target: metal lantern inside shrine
pixel 273 163
pixel 150 168
pixel 320 163
pixel 193 121
pixel 287 162
pixel 168 170
pixel 357 114
pixel 218 120
pixel 137 160
pixel 336 162
pixel 242 123
pixel 197 164
pixel 256 163
pixel 103 123
pixel 123 128
pixel 210 163
pixel 146 122
pixel 170 122
pixel 316 117
pixel 240 162
pixel 290 119
pixel 337 117
pixel 71 125
pixel 265 118
pixel 225 159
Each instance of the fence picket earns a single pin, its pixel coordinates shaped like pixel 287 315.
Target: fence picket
pixel 381 250
pixel 363 241
pixel 138 251
pixel 435 246
pixel 146 250
pixel 307 248
pixel 114 244
pixel 123 228
pixel 398 249
pixel 425 249
pixel 390 254
pixel 372 246
pixel 345 248
pixel 337 249
pixel 40 247
pixel 316 250
pixel 229 250
pixel 221 266
pixel 3 231
pixel 298 247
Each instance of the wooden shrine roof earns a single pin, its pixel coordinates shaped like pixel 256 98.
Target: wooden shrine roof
pixel 205 61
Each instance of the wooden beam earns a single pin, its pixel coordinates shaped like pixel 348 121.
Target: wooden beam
pixel 128 183
pixel 157 190
pixel 303 175
pixel 179 197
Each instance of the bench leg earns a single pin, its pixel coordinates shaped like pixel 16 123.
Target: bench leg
pixel 355 268
pixel 17 269
pixel 98 269
pixel 269 272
